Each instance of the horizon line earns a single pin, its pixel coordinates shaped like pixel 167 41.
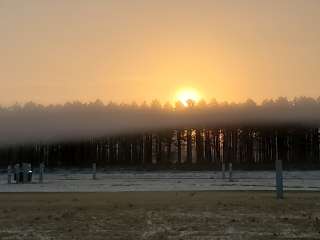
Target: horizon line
pixel 159 102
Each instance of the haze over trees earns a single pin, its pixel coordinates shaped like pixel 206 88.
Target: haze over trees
pixel 77 134
pixel 73 121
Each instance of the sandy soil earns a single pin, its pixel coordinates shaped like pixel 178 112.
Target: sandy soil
pixel 160 215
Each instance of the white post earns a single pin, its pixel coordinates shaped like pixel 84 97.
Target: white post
pixel 230 172
pixel 41 172
pixel 9 174
pixel 94 171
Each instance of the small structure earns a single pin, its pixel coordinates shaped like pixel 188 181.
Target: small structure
pixel 22 173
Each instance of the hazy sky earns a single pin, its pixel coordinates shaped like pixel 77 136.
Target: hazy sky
pixel 57 51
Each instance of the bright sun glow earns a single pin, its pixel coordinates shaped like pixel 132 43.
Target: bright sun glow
pixel 187 94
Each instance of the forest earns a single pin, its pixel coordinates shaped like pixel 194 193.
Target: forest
pixel 199 135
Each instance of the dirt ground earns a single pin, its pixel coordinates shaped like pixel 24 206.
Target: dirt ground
pixel 159 215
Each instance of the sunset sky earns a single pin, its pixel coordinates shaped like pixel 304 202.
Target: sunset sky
pixel 135 50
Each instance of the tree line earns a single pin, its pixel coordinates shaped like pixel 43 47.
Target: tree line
pixel 200 134
pixel 34 123
pixel 245 148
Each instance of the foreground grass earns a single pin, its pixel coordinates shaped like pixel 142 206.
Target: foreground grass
pixel 159 215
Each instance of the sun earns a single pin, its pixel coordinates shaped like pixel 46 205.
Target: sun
pixel 185 95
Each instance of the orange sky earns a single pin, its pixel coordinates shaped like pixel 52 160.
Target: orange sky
pixel 57 51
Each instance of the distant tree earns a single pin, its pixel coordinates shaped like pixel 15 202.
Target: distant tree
pixel 98 103
pixel 134 105
pixel 250 103
pixel 144 105
pixel 191 103
pixel 156 105
pixel 31 106
pixel 213 103
pixel 268 103
pixel 15 107
pixel 202 104
pixel 304 102
pixel 282 102
pixel 167 106
pixel 179 105
pixel 112 105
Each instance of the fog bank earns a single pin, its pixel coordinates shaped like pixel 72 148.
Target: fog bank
pixel 32 123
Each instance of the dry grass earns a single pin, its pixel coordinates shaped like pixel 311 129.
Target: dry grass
pixel 159 215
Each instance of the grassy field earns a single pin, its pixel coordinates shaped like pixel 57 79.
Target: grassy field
pixel 160 215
